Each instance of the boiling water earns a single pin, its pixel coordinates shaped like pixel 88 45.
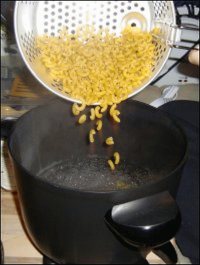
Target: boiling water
pixel 94 174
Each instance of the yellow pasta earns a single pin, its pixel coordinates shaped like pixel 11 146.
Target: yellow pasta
pixel 104 106
pixel 93 65
pixel 110 163
pixel 82 119
pixel 75 111
pixel 156 31
pixel 81 107
pixel 114 113
pixel 115 116
pixel 112 109
pixel 117 158
pixel 92 115
pixel 97 113
pixel 99 125
pixel 109 141
pixel 91 135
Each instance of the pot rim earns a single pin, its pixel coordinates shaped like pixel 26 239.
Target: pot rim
pixel 61 188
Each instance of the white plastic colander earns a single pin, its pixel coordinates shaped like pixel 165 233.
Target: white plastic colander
pixel 33 18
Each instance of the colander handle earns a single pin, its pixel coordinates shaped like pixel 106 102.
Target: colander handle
pixel 147 224
pixel 186 47
pixel 171 34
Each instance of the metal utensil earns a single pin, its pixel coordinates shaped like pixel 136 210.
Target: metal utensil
pixel 169 94
pixel 171 34
pixel 33 18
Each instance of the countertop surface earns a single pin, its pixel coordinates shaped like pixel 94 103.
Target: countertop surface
pixel 18 248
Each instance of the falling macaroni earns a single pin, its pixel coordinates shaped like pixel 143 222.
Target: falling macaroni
pixel 92 115
pixel 91 135
pixel 99 125
pixel 97 112
pixel 104 107
pixel 110 163
pixel 115 116
pixel 117 158
pixel 81 107
pixel 109 141
pixel 112 109
pixel 75 111
pixel 82 119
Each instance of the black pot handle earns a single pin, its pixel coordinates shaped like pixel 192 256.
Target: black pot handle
pixel 6 127
pixel 146 223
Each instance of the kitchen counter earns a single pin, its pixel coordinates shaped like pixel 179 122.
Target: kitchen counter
pixel 18 248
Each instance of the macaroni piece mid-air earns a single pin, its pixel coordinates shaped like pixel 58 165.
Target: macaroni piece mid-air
pixel 110 163
pixel 82 119
pixel 95 65
pixel 109 141
pixel 117 158
pixel 91 135
pixel 99 125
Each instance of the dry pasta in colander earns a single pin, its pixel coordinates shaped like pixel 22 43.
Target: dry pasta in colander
pixel 98 67
pixel 99 125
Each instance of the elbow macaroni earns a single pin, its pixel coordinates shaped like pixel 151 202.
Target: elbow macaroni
pixel 99 125
pixel 91 135
pixel 92 115
pixel 116 157
pixel 109 141
pixel 82 119
pixel 112 109
pixel 104 107
pixel 115 113
pixel 110 163
pixel 105 68
pixel 75 111
pixel 96 110
pixel 80 108
pixel 115 116
pixel 91 76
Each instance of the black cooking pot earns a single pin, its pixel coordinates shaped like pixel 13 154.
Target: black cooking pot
pixel 65 201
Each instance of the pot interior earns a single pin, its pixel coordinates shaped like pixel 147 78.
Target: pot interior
pixel 49 144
